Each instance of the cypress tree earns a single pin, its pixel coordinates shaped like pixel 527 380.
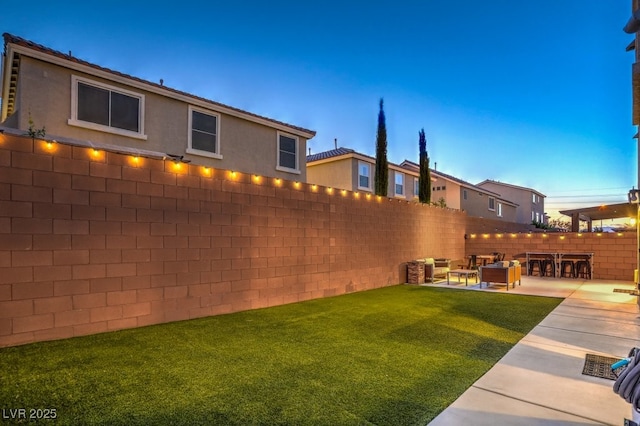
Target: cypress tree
pixel 381 181
pixel 424 182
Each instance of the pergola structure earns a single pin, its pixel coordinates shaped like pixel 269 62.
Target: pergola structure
pixel 607 211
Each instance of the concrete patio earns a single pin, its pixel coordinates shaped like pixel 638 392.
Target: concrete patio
pixel 540 381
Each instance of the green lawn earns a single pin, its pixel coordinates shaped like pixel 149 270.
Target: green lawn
pixel 397 355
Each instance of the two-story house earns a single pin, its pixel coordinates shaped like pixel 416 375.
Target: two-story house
pixel 461 195
pixel 347 169
pixel 530 202
pixel 81 101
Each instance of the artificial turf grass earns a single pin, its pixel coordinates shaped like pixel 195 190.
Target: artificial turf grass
pixel 396 355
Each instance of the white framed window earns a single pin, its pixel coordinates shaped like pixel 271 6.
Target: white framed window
pixel 399 184
pixel 535 198
pixel 499 212
pixel 204 133
pixel 416 187
pixel 364 176
pixel 492 203
pixel 537 217
pixel 288 153
pixel 106 108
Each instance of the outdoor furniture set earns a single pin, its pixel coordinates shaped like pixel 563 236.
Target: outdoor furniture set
pixel 420 271
pixel 560 265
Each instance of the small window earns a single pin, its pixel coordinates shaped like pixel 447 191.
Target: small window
pixel 537 217
pixel 444 187
pixel 492 203
pixel 533 216
pixel 464 194
pixel 499 212
pixel 106 108
pixel 364 175
pixel 287 153
pixel 399 183
pixel 416 187
pixel 534 198
pixel 204 133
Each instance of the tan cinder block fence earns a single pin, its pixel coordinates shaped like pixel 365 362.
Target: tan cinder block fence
pixel 93 241
pixel 614 253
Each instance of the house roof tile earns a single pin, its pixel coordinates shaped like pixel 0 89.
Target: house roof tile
pixel 329 154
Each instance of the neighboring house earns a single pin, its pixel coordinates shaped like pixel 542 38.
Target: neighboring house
pixel 78 100
pixel 530 202
pixel 461 195
pixel 345 168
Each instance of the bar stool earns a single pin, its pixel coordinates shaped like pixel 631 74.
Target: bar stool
pixel 568 267
pixel 548 268
pixel 583 269
pixel 535 264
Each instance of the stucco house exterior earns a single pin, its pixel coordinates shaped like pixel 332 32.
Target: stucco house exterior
pixel 530 202
pixel 345 168
pixel 461 195
pixel 78 100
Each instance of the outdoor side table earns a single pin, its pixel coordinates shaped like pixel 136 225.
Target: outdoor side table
pixel 466 273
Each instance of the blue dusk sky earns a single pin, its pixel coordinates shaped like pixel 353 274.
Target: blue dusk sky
pixel 532 93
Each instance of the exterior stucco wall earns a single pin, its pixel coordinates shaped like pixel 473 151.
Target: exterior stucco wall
pixel 450 193
pixel 522 197
pixel 45 92
pixel 335 174
pixel 477 205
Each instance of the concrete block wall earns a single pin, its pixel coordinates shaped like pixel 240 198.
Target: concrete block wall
pixel 95 241
pixel 614 253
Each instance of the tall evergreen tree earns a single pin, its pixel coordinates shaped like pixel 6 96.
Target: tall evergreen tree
pixel 424 183
pixel 381 181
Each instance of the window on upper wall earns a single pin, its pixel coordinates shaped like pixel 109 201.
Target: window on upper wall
pixel 492 203
pixel 399 183
pixel 106 108
pixel 499 212
pixel 534 199
pixel 364 175
pixel 204 133
pixel 288 153
pixel 416 187
pixel 464 194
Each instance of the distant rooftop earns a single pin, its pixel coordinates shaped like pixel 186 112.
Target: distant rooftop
pixel 328 154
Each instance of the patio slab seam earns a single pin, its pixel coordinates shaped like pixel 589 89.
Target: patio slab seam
pixel 538 405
